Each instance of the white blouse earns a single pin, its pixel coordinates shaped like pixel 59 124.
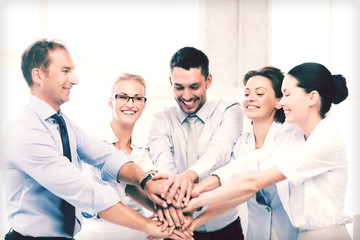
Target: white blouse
pixel 317 173
pixel 245 161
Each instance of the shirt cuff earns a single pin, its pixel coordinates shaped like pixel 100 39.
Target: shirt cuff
pixel 112 165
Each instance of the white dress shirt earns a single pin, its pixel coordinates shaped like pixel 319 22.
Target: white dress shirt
pixel 245 159
pixel 262 218
pixel 317 173
pixel 99 227
pixel 218 127
pixel 140 155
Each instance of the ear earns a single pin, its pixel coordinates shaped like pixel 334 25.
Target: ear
pixel 314 98
pixel 37 76
pixel 208 81
pixel 111 102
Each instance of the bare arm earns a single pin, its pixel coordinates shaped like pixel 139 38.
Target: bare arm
pixel 136 193
pixel 246 185
pixel 126 216
pixel 216 210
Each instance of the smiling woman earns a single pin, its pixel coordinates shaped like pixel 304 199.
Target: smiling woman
pixel 127 103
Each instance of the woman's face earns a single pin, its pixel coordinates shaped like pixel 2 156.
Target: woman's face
pixel 294 101
pixel 127 111
pixel 259 101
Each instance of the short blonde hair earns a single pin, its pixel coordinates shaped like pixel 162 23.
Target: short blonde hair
pixel 129 76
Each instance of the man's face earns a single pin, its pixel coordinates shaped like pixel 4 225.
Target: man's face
pixel 54 85
pixel 189 88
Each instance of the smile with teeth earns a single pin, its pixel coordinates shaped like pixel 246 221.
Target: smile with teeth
pixel 189 103
pixel 252 107
pixel 129 112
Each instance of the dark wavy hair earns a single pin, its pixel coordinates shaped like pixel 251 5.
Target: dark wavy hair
pixel 316 77
pixel 276 77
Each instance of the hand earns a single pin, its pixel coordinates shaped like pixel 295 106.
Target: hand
pixel 180 185
pixel 190 208
pixel 169 232
pixel 154 189
pixel 174 216
pixel 191 227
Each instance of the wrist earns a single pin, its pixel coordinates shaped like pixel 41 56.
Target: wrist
pixel 146 179
pixel 191 174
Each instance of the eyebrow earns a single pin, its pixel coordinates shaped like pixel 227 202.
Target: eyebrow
pixel 136 95
pixel 257 88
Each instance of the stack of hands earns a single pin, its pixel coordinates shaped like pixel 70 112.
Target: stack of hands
pixel 171 196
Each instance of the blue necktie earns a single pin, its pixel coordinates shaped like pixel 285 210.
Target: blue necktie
pixel 68 209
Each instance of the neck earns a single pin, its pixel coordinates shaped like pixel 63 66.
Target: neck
pixel 261 129
pixel 310 124
pixel 123 134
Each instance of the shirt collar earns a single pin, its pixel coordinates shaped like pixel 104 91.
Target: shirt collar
pixel 106 134
pixel 43 109
pixel 203 113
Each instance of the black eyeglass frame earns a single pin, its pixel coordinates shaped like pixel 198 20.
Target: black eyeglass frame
pixel 117 96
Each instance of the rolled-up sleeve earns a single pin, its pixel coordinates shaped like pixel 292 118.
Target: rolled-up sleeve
pixel 159 141
pixel 222 142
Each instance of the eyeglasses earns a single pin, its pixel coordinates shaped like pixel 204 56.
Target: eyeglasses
pixel 125 98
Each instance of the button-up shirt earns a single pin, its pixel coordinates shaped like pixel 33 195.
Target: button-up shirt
pixel 38 177
pixel 140 155
pixel 263 217
pixel 218 127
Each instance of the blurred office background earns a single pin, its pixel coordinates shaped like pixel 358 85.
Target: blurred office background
pixel 107 38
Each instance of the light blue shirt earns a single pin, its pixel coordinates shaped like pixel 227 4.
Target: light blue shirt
pixel 218 127
pixel 37 176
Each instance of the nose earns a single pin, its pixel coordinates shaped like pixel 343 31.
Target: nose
pixel 187 94
pixel 282 102
pixel 73 79
pixel 130 102
pixel 250 97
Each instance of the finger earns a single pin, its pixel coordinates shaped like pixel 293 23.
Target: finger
pixel 164 226
pixel 187 235
pixel 160 176
pixel 158 201
pixel 179 234
pixel 167 186
pixel 180 216
pixel 183 191
pixel 160 214
pixel 171 229
pixel 174 188
pixel 168 217
pixel 188 195
pixel 174 216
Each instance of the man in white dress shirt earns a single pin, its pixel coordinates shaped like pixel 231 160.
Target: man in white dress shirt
pixel 218 125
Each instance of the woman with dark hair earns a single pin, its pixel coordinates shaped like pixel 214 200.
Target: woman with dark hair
pixel 311 180
pixel 266 215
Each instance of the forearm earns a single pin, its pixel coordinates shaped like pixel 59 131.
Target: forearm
pixel 131 173
pixel 237 188
pixel 218 209
pixel 206 185
pixel 125 216
pixel 140 197
pixel 241 186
